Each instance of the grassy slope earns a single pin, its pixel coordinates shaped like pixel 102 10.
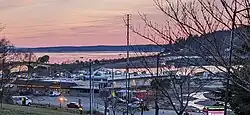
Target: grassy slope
pixel 23 110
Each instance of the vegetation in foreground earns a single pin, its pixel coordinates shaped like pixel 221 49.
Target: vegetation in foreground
pixel 24 110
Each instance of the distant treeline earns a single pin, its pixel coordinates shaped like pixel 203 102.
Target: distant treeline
pixel 136 48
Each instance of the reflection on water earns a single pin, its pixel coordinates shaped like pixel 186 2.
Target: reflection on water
pixel 85 56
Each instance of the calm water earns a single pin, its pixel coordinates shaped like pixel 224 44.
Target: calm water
pixel 85 56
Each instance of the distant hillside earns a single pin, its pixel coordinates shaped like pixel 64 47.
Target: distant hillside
pixel 137 48
pixel 217 38
pixel 212 43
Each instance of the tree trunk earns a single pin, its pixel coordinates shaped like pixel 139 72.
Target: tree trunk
pixel 156 108
pixel 142 111
pixel 113 112
pixel 105 108
pixel 105 111
pixel 180 113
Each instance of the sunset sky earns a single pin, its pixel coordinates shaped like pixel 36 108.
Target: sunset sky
pixel 39 23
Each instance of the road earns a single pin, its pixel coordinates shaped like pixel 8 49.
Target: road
pixel 161 112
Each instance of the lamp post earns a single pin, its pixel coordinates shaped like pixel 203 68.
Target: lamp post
pixel 61 99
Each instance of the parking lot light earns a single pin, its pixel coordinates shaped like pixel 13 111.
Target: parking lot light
pixel 61 99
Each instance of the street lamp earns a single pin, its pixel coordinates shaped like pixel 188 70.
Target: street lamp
pixel 61 99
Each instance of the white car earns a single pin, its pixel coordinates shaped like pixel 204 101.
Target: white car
pixel 54 93
pixel 18 100
pixel 120 100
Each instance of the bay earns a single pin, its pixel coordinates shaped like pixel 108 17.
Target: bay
pixel 70 57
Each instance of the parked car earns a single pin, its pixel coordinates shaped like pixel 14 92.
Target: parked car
pixel 18 100
pixel 38 93
pixel 136 100
pixel 120 100
pixel 25 92
pixel 132 105
pixel 73 105
pixel 54 93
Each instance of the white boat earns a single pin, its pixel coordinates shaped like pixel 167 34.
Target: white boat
pixel 103 74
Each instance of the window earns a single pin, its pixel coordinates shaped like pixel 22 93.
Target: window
pixel 97 74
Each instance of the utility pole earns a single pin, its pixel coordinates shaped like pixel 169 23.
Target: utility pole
pixel 127 66
pixel 29 72
pixel 229 69
pixel 113 85
pixel 29 68
pixel 156 88
pixel 93 93
pixel 113 91
pixel 157 75
pixel 90 83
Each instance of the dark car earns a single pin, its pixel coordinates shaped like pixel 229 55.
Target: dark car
pixel 136 100
pixel 73 105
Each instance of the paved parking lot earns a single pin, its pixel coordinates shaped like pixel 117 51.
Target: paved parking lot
pixel 54 101
pixel 97 105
